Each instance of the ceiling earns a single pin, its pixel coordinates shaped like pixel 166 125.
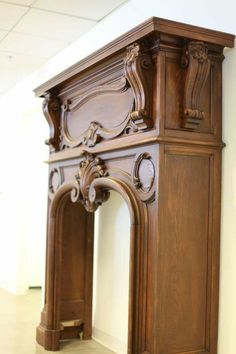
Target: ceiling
pixel 32 31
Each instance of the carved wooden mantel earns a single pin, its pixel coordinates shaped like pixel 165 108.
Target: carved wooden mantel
pixel 141 116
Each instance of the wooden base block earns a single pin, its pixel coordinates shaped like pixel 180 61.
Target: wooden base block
pixel 49 339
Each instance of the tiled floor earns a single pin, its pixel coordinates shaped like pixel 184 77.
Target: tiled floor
pixel 19 316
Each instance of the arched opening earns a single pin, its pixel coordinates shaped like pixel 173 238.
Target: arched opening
pixel 104 275
pixel 68 313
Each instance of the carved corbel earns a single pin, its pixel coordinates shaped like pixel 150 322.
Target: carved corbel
pixel 197 62
pixel 90 168
pixel 138 72
pixel 52 112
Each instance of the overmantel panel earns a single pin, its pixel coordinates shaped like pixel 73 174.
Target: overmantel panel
pixel 142 117
pixel 160 82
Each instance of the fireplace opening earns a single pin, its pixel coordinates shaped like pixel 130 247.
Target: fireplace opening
pixel 111 274
pixel 95 267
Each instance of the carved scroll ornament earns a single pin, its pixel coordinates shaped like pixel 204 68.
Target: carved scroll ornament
pixel 52 112
pixel 90 168
pixel 197 62
pixel 137 78
pixel 138 65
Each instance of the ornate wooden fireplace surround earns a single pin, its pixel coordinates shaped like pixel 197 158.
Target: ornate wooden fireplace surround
pixel 141 116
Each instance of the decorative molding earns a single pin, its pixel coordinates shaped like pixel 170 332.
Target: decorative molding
pixel 95 132
pixel 143 176
pixel 137 66
pixel 90 169
pixel 119 87
pixel 55 181
pixel 138 78
pixel 197 62
pixel 52 112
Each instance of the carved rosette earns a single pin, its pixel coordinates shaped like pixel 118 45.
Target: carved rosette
pixel 143 176
pixel 52 112
pixel 90 168
pixel 197 62
pixel 138 71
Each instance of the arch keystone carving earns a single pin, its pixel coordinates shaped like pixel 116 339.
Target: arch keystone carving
pixel 90 168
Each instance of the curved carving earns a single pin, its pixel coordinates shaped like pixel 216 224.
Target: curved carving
pixel 96 91
pixel 95 131
pixel 52 112
pixel 143 176
pixel 138 65
pixel 55 180
pixel 198 67
pixel 90 169
pixel 138 80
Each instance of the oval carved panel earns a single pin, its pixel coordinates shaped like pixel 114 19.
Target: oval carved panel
pixel 144 175
pixel 55 180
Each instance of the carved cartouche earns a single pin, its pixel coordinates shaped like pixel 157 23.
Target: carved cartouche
pixel 90 168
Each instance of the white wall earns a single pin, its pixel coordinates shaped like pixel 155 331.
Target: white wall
pixel 17 110
pixel 111 274
pixel 23 182
pixel 227 323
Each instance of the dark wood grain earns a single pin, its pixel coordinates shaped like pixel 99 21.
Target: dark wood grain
pixel 142 117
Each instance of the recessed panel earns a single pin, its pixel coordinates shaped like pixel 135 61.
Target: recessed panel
pixel 174 97
pixel 108 111
pixel 76 239
pixel 184 253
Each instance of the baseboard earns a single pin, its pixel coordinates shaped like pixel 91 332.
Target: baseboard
pixel 112 343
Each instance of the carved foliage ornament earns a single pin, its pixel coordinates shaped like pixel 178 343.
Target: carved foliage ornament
pixel 138 78
pixel 90 168
pixel 197 62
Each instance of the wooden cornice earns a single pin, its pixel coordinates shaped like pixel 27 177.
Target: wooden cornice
pixel 153 25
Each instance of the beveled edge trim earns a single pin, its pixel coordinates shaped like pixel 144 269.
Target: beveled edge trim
pixel 153 24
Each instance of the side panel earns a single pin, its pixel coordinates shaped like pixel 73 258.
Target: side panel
pixel 186 256
pixel 77 266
